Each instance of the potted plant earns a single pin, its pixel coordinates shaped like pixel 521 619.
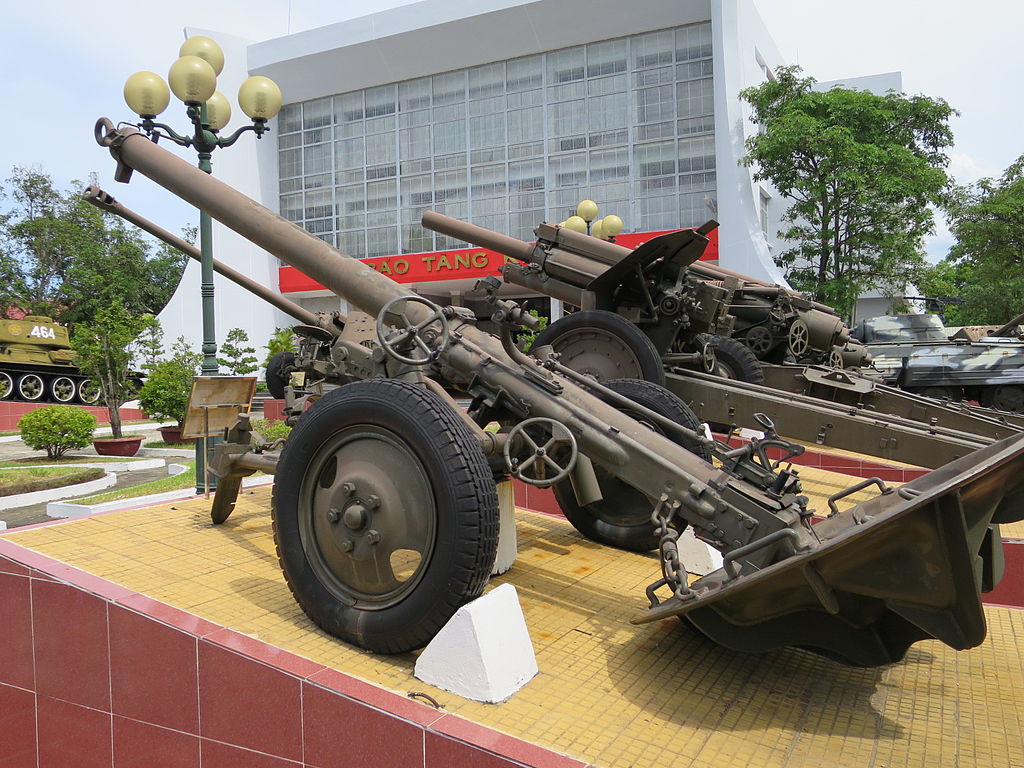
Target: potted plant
pixel 106 350
pixel 166 393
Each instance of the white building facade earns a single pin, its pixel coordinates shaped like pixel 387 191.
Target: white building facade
pixel 504 113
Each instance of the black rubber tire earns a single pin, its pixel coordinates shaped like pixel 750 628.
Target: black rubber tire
pixel 736 358
pixel 277 376
pixel 597 329
pixel 623 517
pixel 460 499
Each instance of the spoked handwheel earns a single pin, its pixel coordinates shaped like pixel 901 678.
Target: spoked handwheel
pixel 385 514
pixel 623 517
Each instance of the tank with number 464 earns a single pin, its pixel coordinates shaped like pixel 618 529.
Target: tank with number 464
pixel 37 363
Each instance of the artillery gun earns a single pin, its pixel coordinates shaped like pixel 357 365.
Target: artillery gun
pixel 690 314
pixel 37 363
pixel 385 511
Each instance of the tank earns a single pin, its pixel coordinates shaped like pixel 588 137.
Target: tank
pixel 37 363
pixel 916 353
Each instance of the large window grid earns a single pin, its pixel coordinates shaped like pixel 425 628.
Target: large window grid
pixel 626 122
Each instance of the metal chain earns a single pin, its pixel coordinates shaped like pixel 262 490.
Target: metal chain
pixel 672 569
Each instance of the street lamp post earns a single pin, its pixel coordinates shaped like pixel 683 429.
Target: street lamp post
pixel 584 221
pixel 193 79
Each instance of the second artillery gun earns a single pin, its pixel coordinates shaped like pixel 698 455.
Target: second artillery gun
pixel 680 305
pixel 385 509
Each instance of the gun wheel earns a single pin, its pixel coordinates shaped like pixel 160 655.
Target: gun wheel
pixel 603 345
pixel 277 373
pixel 623 517
pixel 734 360
pixel 1008 397
pixel 385 514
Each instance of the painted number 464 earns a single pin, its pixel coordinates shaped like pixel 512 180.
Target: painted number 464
pixel 42 332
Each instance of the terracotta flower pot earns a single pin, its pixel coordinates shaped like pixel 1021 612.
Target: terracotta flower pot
pixel 172 436
pixel 117 446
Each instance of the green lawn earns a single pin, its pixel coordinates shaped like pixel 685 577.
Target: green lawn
pixel 15 481
pixel 170 483
pixel 64 460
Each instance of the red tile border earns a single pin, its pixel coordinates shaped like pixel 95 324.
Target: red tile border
pixel 70 735
pixel 17 665
pixel 444 752
pixel 69 627
pixel 17 728
pixel 248 704
pixel 10 566
pixel 168 614
pixel 382 699
pixel 499 743
pixel 376 738
pixel 154 674
pixel 264 652
pixel 221 755
pixel 1009 593
pixel 140 745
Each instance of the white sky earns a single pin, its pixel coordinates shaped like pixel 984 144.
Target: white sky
pixel 66 61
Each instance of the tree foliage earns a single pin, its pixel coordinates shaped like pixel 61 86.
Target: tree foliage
pixel 239 358
pixel 282 340
pixel 167 390
pixel 986 263
pixel 62 257
pixel 105 352
pixel 860 170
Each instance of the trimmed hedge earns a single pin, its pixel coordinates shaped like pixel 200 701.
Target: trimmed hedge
pixel 56 429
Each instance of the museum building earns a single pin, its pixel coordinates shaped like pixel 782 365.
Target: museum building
pixel 505 113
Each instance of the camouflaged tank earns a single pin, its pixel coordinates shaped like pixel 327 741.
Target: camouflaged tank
pixel 37 363
pixel 916 353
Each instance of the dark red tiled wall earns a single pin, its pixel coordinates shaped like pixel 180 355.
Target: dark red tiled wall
pixel 93 675
pixel 11 413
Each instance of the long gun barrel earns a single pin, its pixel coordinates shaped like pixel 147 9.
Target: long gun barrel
pixel 862 586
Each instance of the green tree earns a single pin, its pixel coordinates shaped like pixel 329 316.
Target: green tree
pixel 282 340
pixel 106 350
pixel 168 387
pixel 151 345
pixel 987 220
pixel 861 172
pixel 239 358
pixel 62 257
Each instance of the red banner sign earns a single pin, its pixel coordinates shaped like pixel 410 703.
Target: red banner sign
pixel 456 264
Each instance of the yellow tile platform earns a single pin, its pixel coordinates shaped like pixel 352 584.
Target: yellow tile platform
pixel 608 693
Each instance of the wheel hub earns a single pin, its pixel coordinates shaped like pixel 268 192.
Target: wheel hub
pixel 355 517
pixel 369 531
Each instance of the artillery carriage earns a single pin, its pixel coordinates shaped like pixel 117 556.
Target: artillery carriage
pixel 385 511
pixel 691 314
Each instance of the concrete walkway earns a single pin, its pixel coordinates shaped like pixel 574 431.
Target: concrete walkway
pixel 36 513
